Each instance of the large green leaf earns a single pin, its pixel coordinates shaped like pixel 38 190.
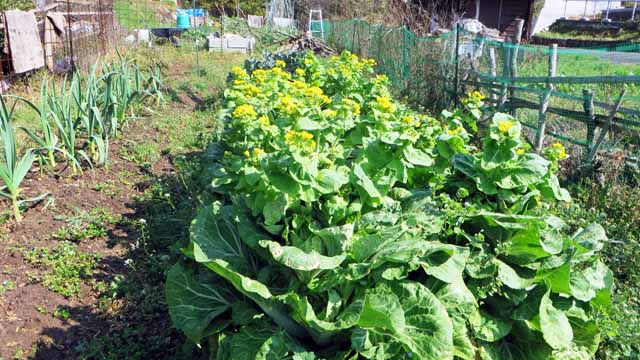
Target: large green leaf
pixel 193 303
pixel 294 258
pixel 260 294
pixel 428 330
pixel 490 328
pixel 586 282
pixel 262 342
pixel 215 236
pixel 461 306
pixel 508 276
pixel 555 325
pixel 382 310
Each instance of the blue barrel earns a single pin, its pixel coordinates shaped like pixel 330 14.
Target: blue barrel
pixel 184 21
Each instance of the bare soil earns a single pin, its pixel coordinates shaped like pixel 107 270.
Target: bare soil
pixel 25 326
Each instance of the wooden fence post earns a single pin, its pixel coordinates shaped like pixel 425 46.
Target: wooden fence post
pixel 606 128
pixel 494 70
pixel 544 100
pixel 457 63
pixel 591 117
pixel 517 38
pixel 506 76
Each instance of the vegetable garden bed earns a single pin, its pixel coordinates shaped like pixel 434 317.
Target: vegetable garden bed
pixel 348 225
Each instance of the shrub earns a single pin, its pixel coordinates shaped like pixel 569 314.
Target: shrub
pixel 350 226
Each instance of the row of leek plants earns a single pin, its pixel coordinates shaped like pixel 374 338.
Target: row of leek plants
pixel 76 120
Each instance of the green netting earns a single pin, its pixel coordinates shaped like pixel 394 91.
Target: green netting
pixel 418 67
pixel 433 71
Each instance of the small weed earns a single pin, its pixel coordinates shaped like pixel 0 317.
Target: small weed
pixel 62 314
pixel 7 285
pixel 66 267
pixel 143 154
pixel 19 354
pixel 85 225
pixel 108 189
pixel 42 309
pixel 127 178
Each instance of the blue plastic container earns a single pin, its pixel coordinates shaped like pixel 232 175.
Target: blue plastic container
pixel 184 21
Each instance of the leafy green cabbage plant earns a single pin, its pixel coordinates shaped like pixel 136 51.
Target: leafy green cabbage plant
pixel 351 227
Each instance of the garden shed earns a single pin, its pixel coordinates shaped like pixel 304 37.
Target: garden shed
pixel 500 14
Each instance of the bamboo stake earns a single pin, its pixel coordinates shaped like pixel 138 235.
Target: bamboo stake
pixel 544 102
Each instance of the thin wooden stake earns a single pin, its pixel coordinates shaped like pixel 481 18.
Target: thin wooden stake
pixel 591 116
pixel 607 127
pixel 514 56
pixel 494 70
pixel 544 102
pixel 506 74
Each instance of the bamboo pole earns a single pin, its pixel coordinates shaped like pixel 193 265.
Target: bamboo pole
pixel 544 102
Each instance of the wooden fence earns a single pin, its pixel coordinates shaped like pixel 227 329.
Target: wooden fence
pixel 531 82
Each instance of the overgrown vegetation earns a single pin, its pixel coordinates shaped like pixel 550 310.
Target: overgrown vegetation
pixel 16 4
pixel 349 225
pixel 616 206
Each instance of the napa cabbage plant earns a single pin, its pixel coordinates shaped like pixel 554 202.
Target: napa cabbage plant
pixel 349 226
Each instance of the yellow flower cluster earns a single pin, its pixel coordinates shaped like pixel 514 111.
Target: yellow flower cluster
pixel 560 150
pixel 505 125
pixel 239 72
pixel 287 105
pixel 259 75
pixel 300 139
pixel 300 72
pixel 308 61
pixel 385 104
pixel 264 121
pixel 345 70
pixel 454 132
pixel 328 113
pixel 352 105
pixel 520 151
pixel 317 93
pixel 245 111
pixel 380 79
pixel 280 73
pixel 256 152
pixel 280 64
pixel 476 96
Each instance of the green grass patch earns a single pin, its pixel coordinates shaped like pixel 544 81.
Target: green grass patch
pixel 85 225
pixel 629 31
pixel 65 267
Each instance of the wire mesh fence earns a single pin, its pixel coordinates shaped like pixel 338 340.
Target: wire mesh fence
pixel 574 103
pixel 419 68
pixel 73 34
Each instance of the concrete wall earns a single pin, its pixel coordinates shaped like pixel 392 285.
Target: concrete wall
pixel 555 9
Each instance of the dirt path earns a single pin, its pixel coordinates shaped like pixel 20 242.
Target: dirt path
pixel 100 213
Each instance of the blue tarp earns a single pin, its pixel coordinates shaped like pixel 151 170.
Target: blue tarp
pixel 190 12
